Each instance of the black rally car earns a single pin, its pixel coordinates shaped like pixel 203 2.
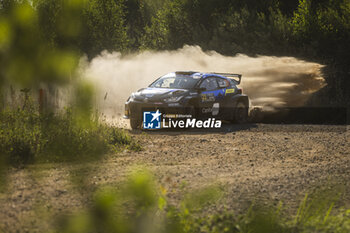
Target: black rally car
pixel 202 95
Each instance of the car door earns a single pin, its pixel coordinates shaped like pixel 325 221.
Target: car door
pixel 226 93
pixel 210 97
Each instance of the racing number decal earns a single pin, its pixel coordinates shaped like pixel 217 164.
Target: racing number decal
pixel 209 97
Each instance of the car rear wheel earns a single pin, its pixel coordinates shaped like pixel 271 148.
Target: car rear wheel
pixel 241 113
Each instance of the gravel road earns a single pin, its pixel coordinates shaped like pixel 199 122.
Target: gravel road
pixel 268 163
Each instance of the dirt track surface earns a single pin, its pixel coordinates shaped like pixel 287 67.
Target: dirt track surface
pixel 268 163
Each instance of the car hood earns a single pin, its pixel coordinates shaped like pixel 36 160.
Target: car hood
pixel 152 93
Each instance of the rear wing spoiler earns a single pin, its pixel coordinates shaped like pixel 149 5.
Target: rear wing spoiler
pixel 236 77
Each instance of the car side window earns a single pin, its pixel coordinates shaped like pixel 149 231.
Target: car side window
pixel 223 83
pixel 209 84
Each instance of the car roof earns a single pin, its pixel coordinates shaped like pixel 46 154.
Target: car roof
pixel 201 74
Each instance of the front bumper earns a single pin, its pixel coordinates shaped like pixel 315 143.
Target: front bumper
pixel 136 109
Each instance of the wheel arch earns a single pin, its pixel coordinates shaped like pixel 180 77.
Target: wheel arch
pixel 240 98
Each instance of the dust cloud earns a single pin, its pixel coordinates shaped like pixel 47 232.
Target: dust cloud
pixel 269 81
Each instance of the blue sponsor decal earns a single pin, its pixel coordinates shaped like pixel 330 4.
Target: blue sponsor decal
pixel 217 94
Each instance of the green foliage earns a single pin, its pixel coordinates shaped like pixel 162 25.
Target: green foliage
pixel 26 58
pixel 301 21
pixel 141 183
pixel 133 208
pixel 105 21
pixel 315 211
pixel 316 30
pixel 169 22
pixel 111 212
pixel 200 198
pixel 61 22
pixel 26 136
pixel 20 136
pixel 255 220
pixel 304 27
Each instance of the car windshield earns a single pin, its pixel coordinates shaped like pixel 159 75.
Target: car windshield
pixel 176 81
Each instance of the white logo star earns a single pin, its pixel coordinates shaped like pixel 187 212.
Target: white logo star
pixel 156 115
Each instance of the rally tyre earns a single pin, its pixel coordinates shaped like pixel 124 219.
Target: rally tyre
pixel 135 123
pixel 241 113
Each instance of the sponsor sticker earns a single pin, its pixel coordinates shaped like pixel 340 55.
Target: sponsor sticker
pixel 216 107
pixel 228 91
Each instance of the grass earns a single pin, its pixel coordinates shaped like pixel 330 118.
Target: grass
pixel 27 137
pixel 140 205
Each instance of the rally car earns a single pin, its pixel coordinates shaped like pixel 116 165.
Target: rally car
pixel 201 95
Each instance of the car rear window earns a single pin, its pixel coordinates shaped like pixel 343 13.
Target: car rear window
pixel 233 82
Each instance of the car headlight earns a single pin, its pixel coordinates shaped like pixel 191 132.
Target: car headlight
pixel 132 97
pixel 173 99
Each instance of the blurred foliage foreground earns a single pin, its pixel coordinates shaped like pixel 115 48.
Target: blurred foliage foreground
pixel 140 205
pixel 29 61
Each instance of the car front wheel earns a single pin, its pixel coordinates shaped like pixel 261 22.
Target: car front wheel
pixel 135 121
